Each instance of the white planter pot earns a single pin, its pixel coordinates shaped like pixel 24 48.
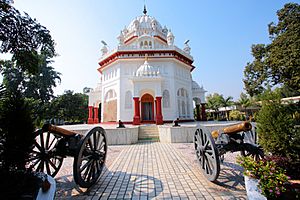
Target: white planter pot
pixel 49 195
pixel 253 192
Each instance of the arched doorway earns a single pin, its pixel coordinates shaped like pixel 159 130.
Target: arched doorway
pixel 147 105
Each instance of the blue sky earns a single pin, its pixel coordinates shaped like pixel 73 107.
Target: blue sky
pixel 221 33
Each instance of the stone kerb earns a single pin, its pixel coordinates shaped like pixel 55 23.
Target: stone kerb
pixel 185 133
pixel 180 134
pixel 115 136
pixel 122 135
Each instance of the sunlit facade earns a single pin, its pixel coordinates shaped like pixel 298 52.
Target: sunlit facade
pixel 146 78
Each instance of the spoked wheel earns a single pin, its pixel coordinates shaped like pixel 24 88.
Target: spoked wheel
pixel 90 158
pixel 253 150
pixel 43 157
pixel 207 154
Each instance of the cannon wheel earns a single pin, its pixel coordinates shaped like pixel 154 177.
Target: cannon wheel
pixel 90 157
pixel 43 157
pixel 253 150
pixel 207 154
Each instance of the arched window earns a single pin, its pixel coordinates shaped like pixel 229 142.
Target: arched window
pixel 183 108
pixel 128 100
pixel 183 103
pixel 141 44
pixel 110 95
pixel 166 99
pixel 179 109
pixel 150 44
pixel 146 44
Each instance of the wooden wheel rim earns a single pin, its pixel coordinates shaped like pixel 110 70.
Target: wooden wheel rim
pixel 207 154
pixel 43 158
pixel 90 158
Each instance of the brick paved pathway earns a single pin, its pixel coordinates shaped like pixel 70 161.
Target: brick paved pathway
pixel 154 170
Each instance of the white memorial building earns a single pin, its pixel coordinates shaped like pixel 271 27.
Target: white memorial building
pixel 146 78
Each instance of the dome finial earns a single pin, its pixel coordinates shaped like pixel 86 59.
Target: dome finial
pixel 145 10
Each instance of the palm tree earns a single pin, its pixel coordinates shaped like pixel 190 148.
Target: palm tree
pixel 213 102
pixel 244 102
pixel 225 102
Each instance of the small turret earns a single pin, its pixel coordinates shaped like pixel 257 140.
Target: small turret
pixel 187 48
pixel 170 38
pixel 121 38
pixel 104 49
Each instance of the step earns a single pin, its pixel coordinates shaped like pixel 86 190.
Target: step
pixel 149 132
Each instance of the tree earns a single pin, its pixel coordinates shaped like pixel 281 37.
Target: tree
pixel 225 102
pixel 244 102
pixel 28 42
pixel 277 63
pixel 214 103
pixel 31 47
pixel 70 107
pixel 38 86
pixel 23 37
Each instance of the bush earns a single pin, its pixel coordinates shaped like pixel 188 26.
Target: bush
pixel 276 130
pixel 16 132
pixel 272 178
pixel 236 115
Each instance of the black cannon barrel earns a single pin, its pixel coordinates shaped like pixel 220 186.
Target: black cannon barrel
pixel 58 130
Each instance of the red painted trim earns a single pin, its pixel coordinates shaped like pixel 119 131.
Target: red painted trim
pixel 136 117
pixel 131 38
pixel 148 122
pixel 162 39
pixel 159 117
pixel 91 115
pixel 116 56
pixel 143 108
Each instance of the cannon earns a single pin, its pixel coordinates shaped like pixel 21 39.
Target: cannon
pixel 211 147
pixel 53 144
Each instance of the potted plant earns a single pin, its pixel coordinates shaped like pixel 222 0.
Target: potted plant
pixel 271 179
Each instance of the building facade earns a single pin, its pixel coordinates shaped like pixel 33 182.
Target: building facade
pixel 146 78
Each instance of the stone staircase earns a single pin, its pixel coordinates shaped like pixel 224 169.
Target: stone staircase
pixel 148 133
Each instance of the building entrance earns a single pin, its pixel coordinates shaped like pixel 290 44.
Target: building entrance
pixel 147 104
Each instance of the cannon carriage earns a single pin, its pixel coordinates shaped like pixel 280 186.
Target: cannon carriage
pixel 210 147
pixel 53 144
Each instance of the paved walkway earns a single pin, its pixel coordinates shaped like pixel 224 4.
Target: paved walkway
pixel 153 170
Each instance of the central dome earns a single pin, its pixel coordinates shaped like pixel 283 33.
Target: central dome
pixel 146 70
pixel 144 22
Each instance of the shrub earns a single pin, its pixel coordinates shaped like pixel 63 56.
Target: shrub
pixel 16 132
pixel 236 115
pixel 276 130
pixel 271 178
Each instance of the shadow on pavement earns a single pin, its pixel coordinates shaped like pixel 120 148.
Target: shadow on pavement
pixel 126 185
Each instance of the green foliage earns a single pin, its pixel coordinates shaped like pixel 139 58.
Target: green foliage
pixel 278 62
pixel 236 115
pixel 244 101
pixel 276 128
pixel 32 47
pixel 271 177
pixel 23 37
pixel 26 74
pixel 216 101
pixel 225 102
pixel 38 86
pixel 69 107
pixel 16 132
